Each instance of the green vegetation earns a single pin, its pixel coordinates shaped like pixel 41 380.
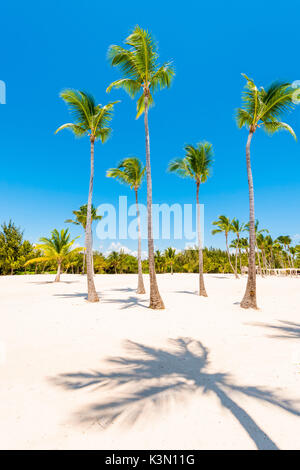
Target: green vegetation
pixel 18 256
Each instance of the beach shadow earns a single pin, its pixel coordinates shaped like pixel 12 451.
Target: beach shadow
pixel 73 295
pixel 131 301
pixel 51 282
pixel 123 289
pixel 186 292
pixel 150 378
pixel 288 329
pixel 220 277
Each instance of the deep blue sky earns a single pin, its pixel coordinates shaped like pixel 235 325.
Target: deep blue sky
pixel 47 46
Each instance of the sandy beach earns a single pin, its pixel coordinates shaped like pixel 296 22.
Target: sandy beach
pixel 202 374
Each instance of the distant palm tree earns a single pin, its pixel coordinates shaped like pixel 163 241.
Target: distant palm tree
pixel 285 240
pixel 91 120
pixel 142 73
pixel 114 259
pixel 224 226
pixel 237 227
pixel 170 256
pixel 80 219
pixel 196 165
pixel 131 172
pixel 257 233
pixel 262 246
pixel 56 248
pixel 261 108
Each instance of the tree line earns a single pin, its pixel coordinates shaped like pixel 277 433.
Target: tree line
pixel 56 254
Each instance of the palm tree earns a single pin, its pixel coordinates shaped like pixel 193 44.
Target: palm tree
pixel 257 233
pixel 91 120
pixel 131 171
pixel 196 165
pixel 224 225
pixel 142 73
pixel 261 108
pixel 170 255
pixel 56 248
pixel 261 245
pixel 237 228
pixel 80 219
pixel 114 259
pixel 285 240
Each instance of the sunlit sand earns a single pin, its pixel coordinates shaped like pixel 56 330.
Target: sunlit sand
pixel 202 374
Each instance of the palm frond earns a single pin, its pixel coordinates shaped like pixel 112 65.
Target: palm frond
pixel 274 126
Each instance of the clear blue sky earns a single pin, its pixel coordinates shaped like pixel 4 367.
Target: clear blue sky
pixel 47 46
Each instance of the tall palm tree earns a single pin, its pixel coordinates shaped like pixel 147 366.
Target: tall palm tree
pixel 92 120
pixel 261 108
pixel 237 227
pixel 196 165
pixel 80 219
pixel 131 171
pixel 142 73
pixel 56 248
pixel 224 226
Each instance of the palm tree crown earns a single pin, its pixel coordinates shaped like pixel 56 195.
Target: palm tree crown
pixel 129 171
pixel 140 67
pixel 89 118
pixel 196 164
pixel 81 215
pixel 58 246
pixel 224 225
pixel 263 108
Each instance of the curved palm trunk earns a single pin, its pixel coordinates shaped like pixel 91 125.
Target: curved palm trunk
pixel 202 290
pixel 155 298
pixel 92 294
pixel 228 254
pixel 57 278
pixel 141 287
pixel 249 299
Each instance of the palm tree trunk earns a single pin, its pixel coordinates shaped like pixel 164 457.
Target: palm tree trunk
pixel 141 287
pixel 92 294
pixel 249 299
pixel 57 278
pixel 228 254
pixel 202 290
pixel 155 298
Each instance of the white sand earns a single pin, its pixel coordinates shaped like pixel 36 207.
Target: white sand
pixel 203 374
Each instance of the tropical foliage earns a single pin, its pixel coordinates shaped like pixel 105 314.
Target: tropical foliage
pixel 57 248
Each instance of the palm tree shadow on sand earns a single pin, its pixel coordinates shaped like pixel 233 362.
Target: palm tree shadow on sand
pixel 285 329
pixel 155 377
